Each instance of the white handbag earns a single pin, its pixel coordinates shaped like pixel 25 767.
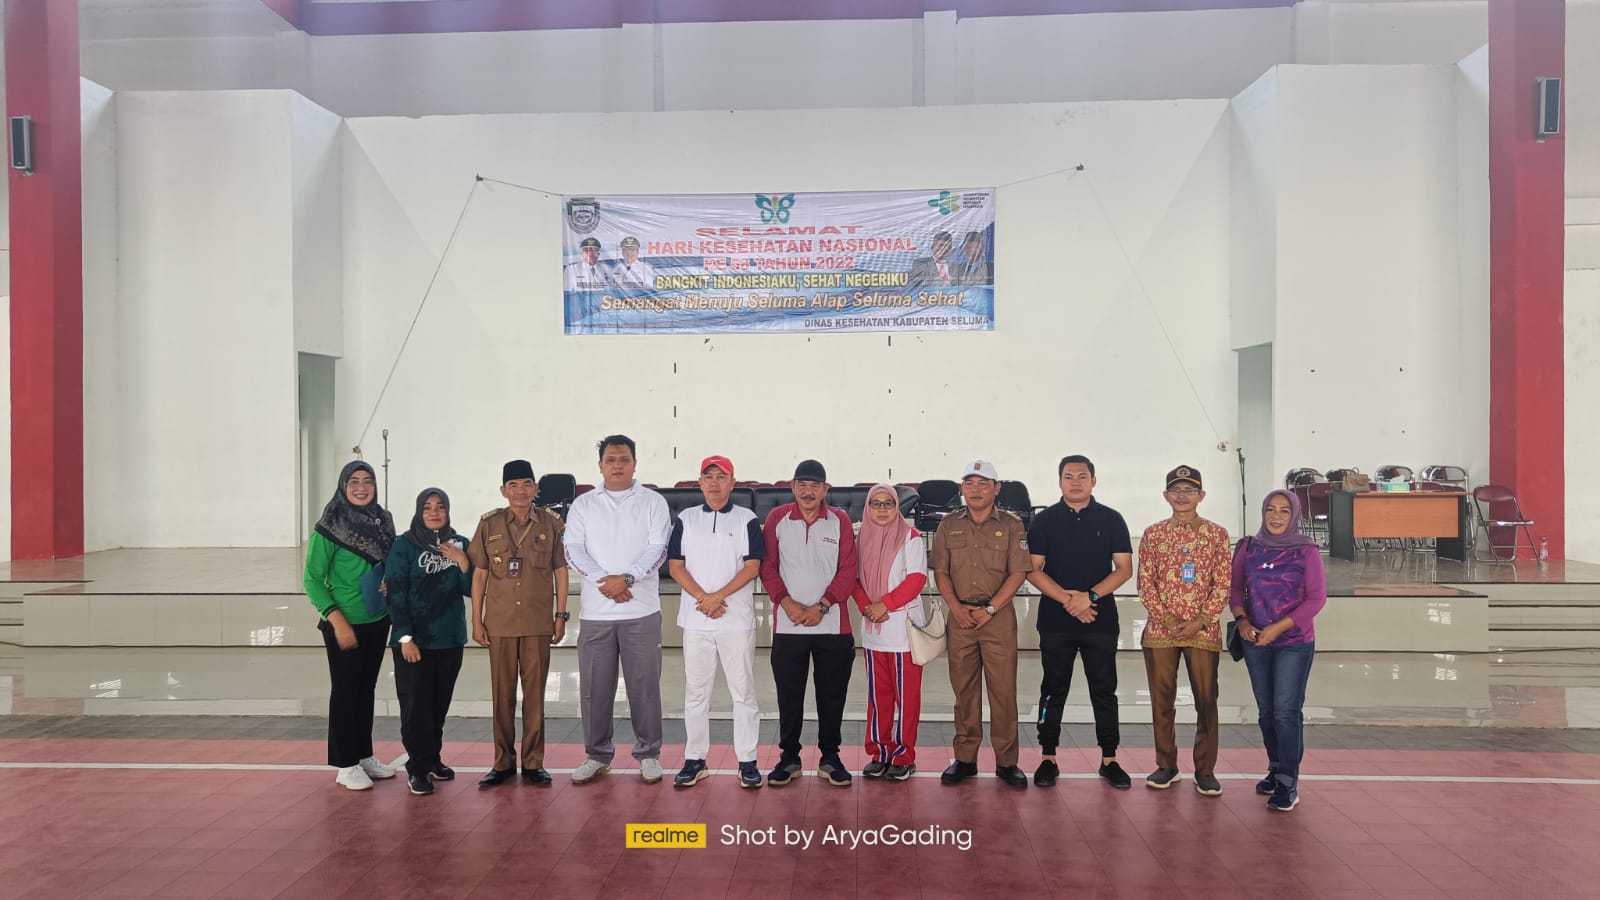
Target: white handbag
pixel 927 641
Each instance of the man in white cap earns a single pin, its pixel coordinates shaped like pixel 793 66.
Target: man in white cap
pixel 980 558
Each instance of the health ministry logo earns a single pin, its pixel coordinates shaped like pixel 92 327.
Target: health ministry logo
pixel 946 203
pixel 774 207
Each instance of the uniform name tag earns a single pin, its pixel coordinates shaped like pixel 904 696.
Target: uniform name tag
pixel 514 567
pixel 1188 573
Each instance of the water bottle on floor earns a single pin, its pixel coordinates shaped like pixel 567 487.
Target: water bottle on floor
pixel 1544 551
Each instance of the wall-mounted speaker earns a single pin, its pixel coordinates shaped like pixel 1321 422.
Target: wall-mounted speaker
pixel 1549 107
pixel 22 143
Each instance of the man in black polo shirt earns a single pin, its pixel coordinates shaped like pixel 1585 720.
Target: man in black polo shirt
pixel 1081 553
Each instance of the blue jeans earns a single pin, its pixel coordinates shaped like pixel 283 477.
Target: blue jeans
pixel 1278 676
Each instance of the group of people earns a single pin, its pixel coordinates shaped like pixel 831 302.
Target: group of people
pixel 374 589
pixel 589 273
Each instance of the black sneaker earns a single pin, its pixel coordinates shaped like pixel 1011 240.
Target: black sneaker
pixel 1284 799
pixel 875 769
pixel 901 773
pixel 749 775
pixel 1161 779
pixel 420 785
pixel 1114 776
pixel 1267 785
pixel 693 772
pixel 1208 785
pixel 1046 774
pixel 442 772
pixel 788 767
pixel 832 770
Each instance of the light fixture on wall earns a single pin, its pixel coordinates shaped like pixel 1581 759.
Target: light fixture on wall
pixel 22 144
pixel 1549 107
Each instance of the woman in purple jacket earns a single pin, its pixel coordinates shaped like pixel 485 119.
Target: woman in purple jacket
pixel 1278 587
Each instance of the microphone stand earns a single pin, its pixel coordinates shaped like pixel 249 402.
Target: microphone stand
pixel 1244 494
pixel 386 468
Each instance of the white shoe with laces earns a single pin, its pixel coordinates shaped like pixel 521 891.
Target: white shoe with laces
pixel 354 778
pixel 375 770
pixel 650 770
pixel 589 771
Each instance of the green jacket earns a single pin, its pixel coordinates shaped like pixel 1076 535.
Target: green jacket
pixel 333 581
pixel 427 596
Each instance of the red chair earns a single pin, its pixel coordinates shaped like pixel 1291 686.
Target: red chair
pixel 687 483
pixel 1499 519
pixel 582 489
pixel 1316 500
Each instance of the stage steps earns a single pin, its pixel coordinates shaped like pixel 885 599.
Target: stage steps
pixel 1543 616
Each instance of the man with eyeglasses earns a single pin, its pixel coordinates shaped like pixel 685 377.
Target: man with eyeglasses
pixel 1185 572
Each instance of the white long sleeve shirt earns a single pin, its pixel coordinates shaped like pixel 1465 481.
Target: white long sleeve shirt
pixel 622 533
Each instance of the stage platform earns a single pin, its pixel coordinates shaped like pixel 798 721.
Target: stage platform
pixel 1383 601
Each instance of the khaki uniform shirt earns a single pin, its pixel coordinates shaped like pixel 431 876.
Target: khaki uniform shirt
pixel 525 605
pixel 979 557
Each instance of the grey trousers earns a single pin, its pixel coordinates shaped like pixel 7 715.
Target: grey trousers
pixel 636 644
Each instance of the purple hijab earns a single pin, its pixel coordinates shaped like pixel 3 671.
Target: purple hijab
pixel 1291 538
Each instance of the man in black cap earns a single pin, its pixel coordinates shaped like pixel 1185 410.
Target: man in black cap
pixel 631 272
pixel 1185 574
pixel 935 270
pixel 586 274
pixel 519 609
pixel 809 571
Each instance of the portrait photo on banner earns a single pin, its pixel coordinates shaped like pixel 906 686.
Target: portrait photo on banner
pixel 779 262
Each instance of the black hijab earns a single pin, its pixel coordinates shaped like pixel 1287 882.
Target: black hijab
pixel 367 531
pixel 424 537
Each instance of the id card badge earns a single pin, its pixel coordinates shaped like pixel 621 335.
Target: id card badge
pixel 514 567
pixel 1188 572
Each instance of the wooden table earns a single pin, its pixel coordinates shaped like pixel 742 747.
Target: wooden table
pixel 1441 515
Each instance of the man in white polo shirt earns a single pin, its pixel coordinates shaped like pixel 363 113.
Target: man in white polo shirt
pixel 616 540
pixel 809 571
pixel 715 554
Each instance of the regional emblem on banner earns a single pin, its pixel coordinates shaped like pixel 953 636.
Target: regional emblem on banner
pixel 583 214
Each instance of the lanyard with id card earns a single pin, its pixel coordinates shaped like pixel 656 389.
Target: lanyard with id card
pixel 514 564
pixel 1189 569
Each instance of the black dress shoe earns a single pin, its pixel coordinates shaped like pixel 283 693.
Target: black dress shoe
pixel 958 772
pixel 442 772
pixel 1047 773
pixel 536 777
pixel 493 777
pixel 1012 776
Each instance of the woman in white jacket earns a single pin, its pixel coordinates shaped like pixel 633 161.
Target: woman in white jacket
pixel 892 571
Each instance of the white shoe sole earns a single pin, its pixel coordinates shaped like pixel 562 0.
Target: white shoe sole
pixel 1292 804
pixel 699 776
pixel 354 787
pixel 1161 787
pixel 650 779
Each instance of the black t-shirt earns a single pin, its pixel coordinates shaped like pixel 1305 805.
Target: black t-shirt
pixel 1077 548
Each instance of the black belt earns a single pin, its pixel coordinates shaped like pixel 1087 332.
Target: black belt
pixel 977 603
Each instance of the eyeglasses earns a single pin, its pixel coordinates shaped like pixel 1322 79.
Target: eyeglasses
pixel 883 504
pixel 1183 492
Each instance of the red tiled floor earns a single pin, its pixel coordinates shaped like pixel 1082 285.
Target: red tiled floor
pixel 292 833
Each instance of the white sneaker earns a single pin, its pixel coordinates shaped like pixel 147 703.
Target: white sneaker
pixel 375 770
pixel 650 770
pixel 593 768
pixel 354 778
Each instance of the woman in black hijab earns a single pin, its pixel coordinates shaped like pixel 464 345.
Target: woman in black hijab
pixel 344 565
pixel 428 577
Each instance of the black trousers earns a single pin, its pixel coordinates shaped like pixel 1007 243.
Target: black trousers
pixel 425 688
pixel 353 675
pixel 830 658
pixel 1058 653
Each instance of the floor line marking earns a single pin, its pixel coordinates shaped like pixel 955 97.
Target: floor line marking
pixel 1074 776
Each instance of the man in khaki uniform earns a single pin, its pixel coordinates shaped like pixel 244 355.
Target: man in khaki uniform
pixel 519 609
pixel 980 557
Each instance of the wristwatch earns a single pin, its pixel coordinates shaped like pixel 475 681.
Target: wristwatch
pixel 1093 597
pixel 627 580
pixel 990 609
pixel 405 639
pixel 563 615
pixel 825 605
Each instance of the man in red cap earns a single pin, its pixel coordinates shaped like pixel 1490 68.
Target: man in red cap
pixel 715 554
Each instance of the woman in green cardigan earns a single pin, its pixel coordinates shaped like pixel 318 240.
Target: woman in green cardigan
pixel 429 578
pixel 351 540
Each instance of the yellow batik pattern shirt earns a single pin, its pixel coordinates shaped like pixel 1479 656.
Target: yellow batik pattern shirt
pixel 1185 574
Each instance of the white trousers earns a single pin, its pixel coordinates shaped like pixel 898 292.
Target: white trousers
pixel 736 650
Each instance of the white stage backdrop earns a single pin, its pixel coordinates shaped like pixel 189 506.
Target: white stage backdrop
pixel 802 262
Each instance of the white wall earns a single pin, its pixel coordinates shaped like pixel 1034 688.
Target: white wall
pixel 1089 270
pixel 318 228
pixel 1472 254
pixel 206 368
pixel 104 474
pixel 5 418
pixel 1262 472
pixel 934 60
pixel 1253 211
pixel 1378 346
